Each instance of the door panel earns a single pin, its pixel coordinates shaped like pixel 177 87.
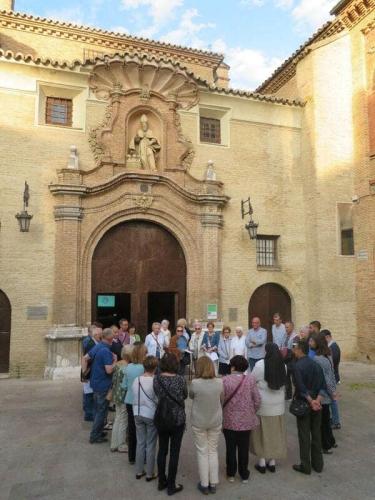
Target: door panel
pixel 266 301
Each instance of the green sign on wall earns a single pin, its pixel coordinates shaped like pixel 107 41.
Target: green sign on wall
pixel 212 311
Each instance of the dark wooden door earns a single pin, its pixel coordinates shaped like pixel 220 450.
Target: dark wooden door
pixel 137 258
pixel 266 301
pixel 5 323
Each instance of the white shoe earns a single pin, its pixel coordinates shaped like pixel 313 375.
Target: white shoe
pixel 231 479
pixel 245 481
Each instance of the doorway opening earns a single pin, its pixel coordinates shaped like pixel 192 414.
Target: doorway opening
pixel 111 307
pixel 162 305
pixel 266 301
pixel 5 321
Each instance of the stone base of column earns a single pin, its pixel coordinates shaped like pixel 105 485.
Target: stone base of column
pixel 64 352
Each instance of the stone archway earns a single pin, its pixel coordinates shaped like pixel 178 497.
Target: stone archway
pixel 138 272
pixel 5 325
pixel 268 299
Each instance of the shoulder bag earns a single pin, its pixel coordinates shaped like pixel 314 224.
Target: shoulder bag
pixel 299 407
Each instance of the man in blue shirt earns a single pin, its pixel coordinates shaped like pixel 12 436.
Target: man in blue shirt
pixel 102 365
pixel 255 341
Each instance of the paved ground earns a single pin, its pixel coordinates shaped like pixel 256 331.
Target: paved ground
pixel 45 454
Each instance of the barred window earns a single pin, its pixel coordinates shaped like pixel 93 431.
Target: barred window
pixel 210 130
pixel 59 111
pixel 267 250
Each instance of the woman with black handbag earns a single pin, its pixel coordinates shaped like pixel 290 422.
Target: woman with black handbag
pixel 170 418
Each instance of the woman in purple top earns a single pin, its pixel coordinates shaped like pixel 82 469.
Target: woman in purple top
pixel 241 403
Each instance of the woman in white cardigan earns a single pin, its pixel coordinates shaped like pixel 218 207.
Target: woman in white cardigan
pixel 268 441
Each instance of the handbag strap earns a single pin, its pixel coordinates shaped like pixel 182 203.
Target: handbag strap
pixel 144 392
pixel 169 394
pixel 234 392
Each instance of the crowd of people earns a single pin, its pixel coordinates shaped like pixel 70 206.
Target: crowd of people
pixel 241 387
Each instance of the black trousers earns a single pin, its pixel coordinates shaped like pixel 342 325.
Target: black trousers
pixel 237 444
pixel 310 441
pixel 132 434
pixel 288 384
pixel 169 441
pixel 224 369
pixel 328 439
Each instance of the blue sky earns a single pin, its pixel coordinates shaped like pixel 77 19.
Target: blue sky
pixel 255 35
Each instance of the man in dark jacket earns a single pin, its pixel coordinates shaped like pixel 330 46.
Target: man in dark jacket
pixel 309 385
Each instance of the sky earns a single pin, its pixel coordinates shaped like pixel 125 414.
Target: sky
pixel 255 36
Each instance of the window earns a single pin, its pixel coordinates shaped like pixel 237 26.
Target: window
pixel 210 130
pixel 267 251
pixel 346 233
pixel 59 111
pixel 347 242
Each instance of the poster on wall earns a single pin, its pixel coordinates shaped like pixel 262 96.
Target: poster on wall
pixel 211 311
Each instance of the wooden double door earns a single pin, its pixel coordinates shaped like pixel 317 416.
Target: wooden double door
pixel 138 273
pixel 5 324
pixel 267 300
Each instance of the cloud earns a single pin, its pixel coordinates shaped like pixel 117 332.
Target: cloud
pixel 281 4
pixel 120 29
pixel 161 11
pixel 248 67
pixel 70 15
pixel 187 32
pixel 310 15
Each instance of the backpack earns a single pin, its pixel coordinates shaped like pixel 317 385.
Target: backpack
pixel 165 419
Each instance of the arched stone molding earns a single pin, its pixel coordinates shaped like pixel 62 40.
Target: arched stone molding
pixel 176 227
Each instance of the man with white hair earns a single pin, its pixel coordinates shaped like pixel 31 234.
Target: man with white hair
pixel 238 344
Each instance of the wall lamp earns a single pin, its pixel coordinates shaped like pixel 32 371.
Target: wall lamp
pixel 251 226
pixel 24 217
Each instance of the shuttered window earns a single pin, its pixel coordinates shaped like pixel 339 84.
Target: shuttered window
pixel 59 111
pixel 267 250
pixel 210 130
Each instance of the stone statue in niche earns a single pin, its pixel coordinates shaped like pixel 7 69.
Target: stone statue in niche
pixel 144 147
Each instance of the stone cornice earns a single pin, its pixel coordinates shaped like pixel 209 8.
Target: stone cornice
pixel 89 64
pixel 106 39
pixel 203 198
pixel 351 13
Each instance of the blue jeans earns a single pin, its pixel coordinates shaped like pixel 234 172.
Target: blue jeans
pixel 335 413
pixel 252 363
pixel 88 406
pixel 101 409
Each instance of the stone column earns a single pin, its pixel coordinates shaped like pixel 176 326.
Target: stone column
pixel 64 339
pixel 212 222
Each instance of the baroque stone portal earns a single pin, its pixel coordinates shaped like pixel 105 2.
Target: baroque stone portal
pixel 144 146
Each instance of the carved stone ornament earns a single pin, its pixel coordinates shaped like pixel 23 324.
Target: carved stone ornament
pixel 143 202
pixel 146 75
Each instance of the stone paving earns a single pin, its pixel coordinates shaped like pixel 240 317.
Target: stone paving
pixel 45 454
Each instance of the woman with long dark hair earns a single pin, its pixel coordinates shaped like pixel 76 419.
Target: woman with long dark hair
pixel 268 441
pixel 322 357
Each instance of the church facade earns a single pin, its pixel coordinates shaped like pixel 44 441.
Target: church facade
pixel 138 157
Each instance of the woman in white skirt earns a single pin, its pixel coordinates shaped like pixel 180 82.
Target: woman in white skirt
pixel 268 441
